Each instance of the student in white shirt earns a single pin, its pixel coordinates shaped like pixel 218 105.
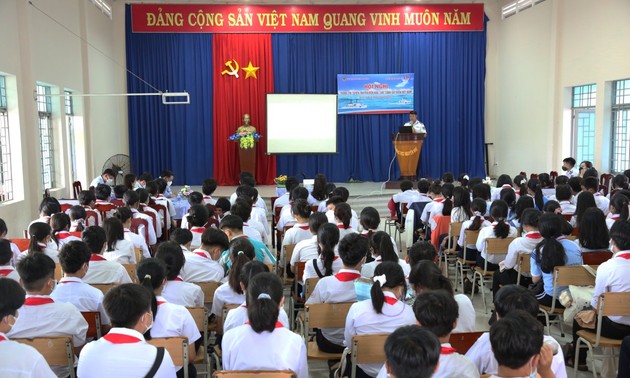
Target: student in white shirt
pixel 327 262
pixel 169 319
pixel 563 196
pixel 510 299
pixel 222 207
pixel 40 242
pixel 118 249
pixel 77 218
pixel 241 252
pixel 194 198
pixel 124 215
pixel 259 213
pixel 503 182
pixel 197 218
pixel 6 256
pixel 309 249
pixel 370 221
pixel 382 250
pixel 102 271
pixel 202 264
pixel 286 214
pixel 17 359
pixel 123 352
pixel 176 290
pixel 265 333
pixel 443 207
pixel 284 199
pixel 143 180
pixel 300 231
pixel 619 209
pixel 87 200
pixel 343 219
pixel 500 228
pixel 132 200
pixel 247 179
pixel 591 184
pixel 523 203
pixel 155 189
pixel 319 193
pixel 4 230
pixel 74 258
pixel 60 234
pixel 207 189
pixel 331 205
pixel 107 177
pixel 144 199
pixel 435 193
pixel 406 195
pixel 411 351
pixel 339 288
pixel 382 314
pixel 47 208
pixel 242 208
pixel 41 316
pixel 461 205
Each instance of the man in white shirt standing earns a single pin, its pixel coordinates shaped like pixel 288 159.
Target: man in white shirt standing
pixel 107 178
pixel 416 126
pixel 569 168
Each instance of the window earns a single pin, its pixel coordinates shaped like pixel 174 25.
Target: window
pixel 46 142
pixel 620 120
pixel 583 112
pixel 517 6
pixel 6 179
pixel 69 110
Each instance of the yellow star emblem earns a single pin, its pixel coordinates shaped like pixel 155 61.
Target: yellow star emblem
pixel 250 71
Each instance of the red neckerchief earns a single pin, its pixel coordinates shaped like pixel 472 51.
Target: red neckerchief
pixel 390 300
pixel 36 301
pixel 65 282
pixel 342 227
pixel 207 197
pixel 615 217
pixel 5 272
pixel 447 350
pixel 625 255
pixel 198 230
pixel 96 257
pixel 118 338
pixel 533 235
pixel 63 234
pixel 439 200
pixel 305 228
pixel 506 186
pixel 177 279
pixel 278 324
pixel 200 252
pixel 347 276
pixel 42 245
pixel 161 302
pixel 2 338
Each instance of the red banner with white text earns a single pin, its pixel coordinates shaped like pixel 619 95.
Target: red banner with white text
pixel 205 18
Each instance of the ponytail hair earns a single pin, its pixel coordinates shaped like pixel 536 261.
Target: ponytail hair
pixel 301 208
pixel 447 193
pixel 620 204
pixel 343 213
pixel 394 277
pixel 38 231
pixel 534 186
pixel 78 215
pixel 153 272
pixel 523 203
pixel 382 244
pixel 549 253
pixel 114 231
pixel 198 216
pixel 521 182
pixel 241 252
pixel 499 211
pixel 425 275
pixel 369 218
pixel 327 239
pixel 478 208
pixel 264 296
pixel 509 196
pixel 59 222
pixel 250 270
pixel 123 214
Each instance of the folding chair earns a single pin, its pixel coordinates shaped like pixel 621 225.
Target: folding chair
pixel 163 211
pixel 464 263
pixel 200 316
pixel 309 286
pixel 454 229
pixel 91 218
pixel 135 228
pixel 154 221
pixel 296 299
pixel 22 244
pixel 494 246
pixel 104 287
pixel 523 264
pixel 76 189
pixel 93 319
pixel 254 374
pixel 133 274
pixel 177 347
pixel 324 315
pixel 138 253
pixel 288 254
pixel 216 353
pixel 608 304
pixel 463 341
pixel 105 209
pixel 596 257
pixel 57 351
pixel 365 349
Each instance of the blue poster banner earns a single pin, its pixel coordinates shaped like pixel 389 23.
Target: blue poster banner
pixel 375 94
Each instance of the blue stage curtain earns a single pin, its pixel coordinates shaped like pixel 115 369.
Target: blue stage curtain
pixel 449 73
pixel 176 137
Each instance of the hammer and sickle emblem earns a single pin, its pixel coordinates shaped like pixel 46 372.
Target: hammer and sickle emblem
pixel 232 71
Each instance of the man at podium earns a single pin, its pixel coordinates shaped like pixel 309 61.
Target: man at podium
pixel 416 126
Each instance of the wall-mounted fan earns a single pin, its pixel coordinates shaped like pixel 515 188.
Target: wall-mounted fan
pixel 121 165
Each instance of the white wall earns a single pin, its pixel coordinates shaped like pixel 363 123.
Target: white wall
pixel 37 49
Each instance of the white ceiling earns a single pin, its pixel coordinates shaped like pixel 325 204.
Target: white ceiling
pixel 300 1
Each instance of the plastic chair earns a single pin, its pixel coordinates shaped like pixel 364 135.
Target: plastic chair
pixel 57 351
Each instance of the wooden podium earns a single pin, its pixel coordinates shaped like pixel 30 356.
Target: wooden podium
pixel 247 159
pixel 408 148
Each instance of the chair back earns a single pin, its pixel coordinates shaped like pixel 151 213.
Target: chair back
pixel 572 275
pixel 104 208
pixel 288 254
pixel 57 351
pixel 208 289
pixel 454 230
pixel 93 319
pixel 326 315
pixel 367 349
pixel 76 189
pixel 131 270
pixel 254 374
pixel 224 311
pixel 614 304
pixel 163 212
pixel 523 265
pixel 104 287
pixel 469 236
pixel 21 243
pixel 309 286
pixel 442 223
pixel 596 257
pixel 462 341
pixel 177 347
pixel 65 207
pixel 200 316
pixel 138 253
pixel 498 246
pixel 153 218
pixel 91 218
pixel 135 225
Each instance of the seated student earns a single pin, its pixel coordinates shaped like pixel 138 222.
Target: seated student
pixel 60 230
pixel 264 301
pixel 593 231
pixel 223 206
pixel 500 228
pixel 406 195
pixel 259 213
pixel 47 208
pixel 591 184
pixel 327 262
pixel 461 205
pixel 207 189
pixel 319 193
pixel 503 182
pixel 563 196
pixel 370 221
pixel 241 251
pixel 507 274
pixel 585 200
pixel 509 299
pixel 123 352
pixel 40 242
pixel 132 201
pixel 482 191
pixel 194 198
pixel 340 194
pixel 476 222
pixel 101 270
pixel 534 190
pixel 177 291
pixel 6 256
pixel 435 193
pixel 619 209
pixel 523 203
pixel 242 208
pixel 568 167
pixel 87 200
pixel 17 359
pixel 308 249
pixel 103 194
pixel 77 218
pixel 509 197
pixel 339 288
pixel 518 353
pixel 197 218
pixel 426 276
pixel 442 207
pixel 423 189
pixel 411 352
pixel 168 177
pixel 232 226
pixel 382 251
pixel 74 258
pixel 419 251
pixel 300 231
pixel 118 248
pixel 4 230
pixel 142 180
pixel 155 189
pixel 107 178
pixel 124 215
pixel 169 319
pixel 202 264
pixel 41 316
pixel 576 187
pixel 554 250
pixel 144 199
pixel 238 316
pixel 119 192
pixel 343 218
pixel 284 199
pixel 129 181
pixel 286 214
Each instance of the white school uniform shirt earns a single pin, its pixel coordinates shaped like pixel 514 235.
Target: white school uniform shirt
pixel 286 217
pixel 428 210
pixel 183 293
pixel 294 235
pixel 97 180
pixel 103 271
pixel 354 221
pixel 238 316
pixel 159 224
pixel 9 272
pixel 123 252
pixel 310 272
pixel 611 219
pixel 422 197
pixel 259 202
pixel 22 361
pixel 346 231
pixel 138 242
pixel 482 357
pixel 305 250
pixel 496 192
pixel 260 216
pixel 47 250
pixel 255 230
pixel 152 236
pixel 613 276
pixel 208 200
pixel 281 201
pixel 465 226
pixel 225 295
pixel 488 233
pixel 111 357
pixel 573 172
pixel 524 245
pixel 567 207
pixel 367 270
pixel 602 203
pixel 237 350
pixel 199 267
pixel 16 253
pixel 64 237
pixel 466 321
pixel 173 320
pixel 408 196
pixel 83 296
pixel 196 234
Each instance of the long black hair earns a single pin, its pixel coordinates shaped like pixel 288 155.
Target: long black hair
pixel 523 203
pixel 343 212
pixel 426 275
pixel 584 201
pixel 461 199
pixel 619 204
pixel 264 295
pixel 394 277
pixel 593 229
pixel 327 239
pixel 549 253
pixel 38 232
pixel 447 193
pixel 152 273
pixel 115 231
pixel 382 245
pixel 59 222
pixel 499 211
pixel 478 207
pixel 534 186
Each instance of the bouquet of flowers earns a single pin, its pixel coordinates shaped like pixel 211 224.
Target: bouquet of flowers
pixel 185 191
pixel 246 140
pixel 281 180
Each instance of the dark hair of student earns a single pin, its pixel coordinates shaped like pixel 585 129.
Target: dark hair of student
pixel 212 236
pixel 125 304
pixel 590 183
pixel 86 198
pixel 243 190
pixel 515 297
pixel 195 198
pixel 209 186
pixel 120 190
pixel 73 255
pixel 584 201
pixel 534 186
pixel 530 217
pixel 253 193
pixel 461 199
pixel 334 200
pixel 619 205
pixel 38 232
pixel 620 182
pixel 146 177
pixel 620 234
pixel 499 211
pixel 382 245
pixel 315 221
pixel 223 204
pixel 627 173
pixel 78 214
pixel 478 208
pixel 330 188
pixel 123 214
pixel 301 208
pixel 183 236
pixel 342 192
pixel 49 206
pixel 59 222
pixel 520 181
pixel 474 181
pixel 463 179
pixel 103 192
pixel 590 172
pixel 94 237
pixel 504 180
pixel 437 311
pixel 131 198
pixel 241 252
pixel 35 269
pixel 291 183
pixel 545 180
pixel 549 253
pixel 161 185
pixel 264 295
pixel 197 216
pixel 166 173
pixel 13 297
pixel 447 193
pixel 421 250
pixel 232 222
pixel 242 208
pixel 250 270
pixel 171 254
pixel 247 178
pixel 3 228
pixel 481 191
pixel 153 272
pixel 115 231
pixel 319 187
pixel 369 219
pixel 343 212
pixel 448 178
pixel 128 181
pixel 562 180
pixel 575 183
pixel 523 203
pixel 327 239
pixel 353 248
pixel 412 352
pixel 406 185
pixel 551 206
pixel 563 193
pixel 423 186
pixel 299 192
pixel 593 229
pixel 509 196
pixel 435 187
pixel 394 277
pixel 425 275
pixel 6 254
pixel 511 346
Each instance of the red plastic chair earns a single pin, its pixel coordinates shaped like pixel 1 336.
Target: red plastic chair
pixel 104 208
pixel 91 218
pixel 135 225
